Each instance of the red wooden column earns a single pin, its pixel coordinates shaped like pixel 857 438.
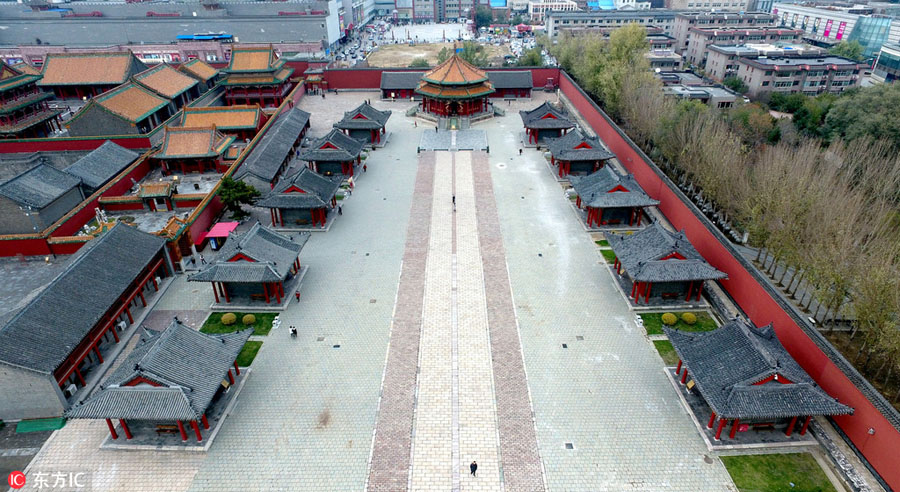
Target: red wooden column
pixel 130 318
pixel 79 376
pixel 181 430
pixel 197 430
pixel 805 425
pixel 712 419
pixel 237 370
pixel 684 376
pixel 97 351
pixel 647 298
pixel 634 286
pixel 112 328
pixel 125 428
pixel 790 428
pixel 112 429
pixel 205 422
pixel 678 369
pixel 272 214
pixel 266 291
pixel 722 423
pixel 215 291
pixel 230 377
pixel 734 426
pixel 225 292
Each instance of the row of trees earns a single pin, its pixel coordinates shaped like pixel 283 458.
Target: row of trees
pixel 824 216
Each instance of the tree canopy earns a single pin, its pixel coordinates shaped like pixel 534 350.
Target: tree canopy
pixel 736 84
pixel 483 16
pixel 471 52
pixel 848 49
pixel 419 63
pixel 531 58
pixel 866 112
pixel 234 194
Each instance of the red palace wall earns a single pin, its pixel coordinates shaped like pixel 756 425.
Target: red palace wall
pixel 61 144
pixel 880 448
pixel 17 245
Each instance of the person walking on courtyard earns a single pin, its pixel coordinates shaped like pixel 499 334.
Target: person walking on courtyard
pixel 202 260
pixel 365 168
pixel 340 210
pixel 454 199
pixel 473 468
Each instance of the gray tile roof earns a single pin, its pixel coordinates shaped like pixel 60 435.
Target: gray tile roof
pixel 189 367
pixel 102 164
pixel 51 326
pixel 347 148
pixel 642 253
pixel 400 80
pixel 363 117
pixel 39 186
pixel 318 191
pixel 566 148
pixel 546 117
pixel 266 157
pixel 272 253
pixel 726 364
pixel 596 190
pixel 510 79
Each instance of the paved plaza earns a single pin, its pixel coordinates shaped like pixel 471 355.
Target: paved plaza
pixel 431 329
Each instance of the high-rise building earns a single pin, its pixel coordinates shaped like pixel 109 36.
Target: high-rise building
pixel 826 26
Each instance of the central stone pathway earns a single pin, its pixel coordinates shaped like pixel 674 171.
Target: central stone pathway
pixel 454 420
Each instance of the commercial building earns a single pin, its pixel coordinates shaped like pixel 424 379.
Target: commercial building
pixel 722 61
pixel 684 21
pixel 714 96
pixel 887 66
pixel 719 5
pixel 701 38
pixel 830 25
pixel 557 22
pixel 809 75
pixel 538 9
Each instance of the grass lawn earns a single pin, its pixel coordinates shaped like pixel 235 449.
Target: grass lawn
pixel 653 323
pixel 776 472
pixel 248 353
pixel 603 242
pixel 608 255
pixel 666 351
pixel 214 325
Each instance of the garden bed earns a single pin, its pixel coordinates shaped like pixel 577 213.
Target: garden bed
pixel 248 353
pixel 666 351
pixel 213 324
pixel 608 255
pixel 653 323
pixel 796 472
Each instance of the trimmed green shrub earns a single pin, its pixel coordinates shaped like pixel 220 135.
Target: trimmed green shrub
pixel 249 319
pixel 669 319
pixel 689 318
pixel 229 319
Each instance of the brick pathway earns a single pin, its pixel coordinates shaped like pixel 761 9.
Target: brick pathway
pixel 389 469
pixel 519 450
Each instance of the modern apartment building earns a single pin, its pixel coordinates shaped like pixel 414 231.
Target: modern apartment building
pixel 887 66
pixel 809 75
pixel 722 61
pixel 684 21
pixel 701 38
pixel 664 59
pixel 830 25
pixel 556 22
pixel 714 96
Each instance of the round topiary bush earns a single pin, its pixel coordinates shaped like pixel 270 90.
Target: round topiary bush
pixel 689 318
pixel 248 319
pixel 229 319
pixel 669 319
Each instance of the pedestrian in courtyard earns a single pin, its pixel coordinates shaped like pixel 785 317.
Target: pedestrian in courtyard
pixel 202 260
pixel 340 210
pixel 416 124
pixel 323 95
pixel 473 468
pixel 454 199
pixel 365 167
pixel 520 151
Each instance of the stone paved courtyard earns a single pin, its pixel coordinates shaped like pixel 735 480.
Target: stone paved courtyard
pixel 465 348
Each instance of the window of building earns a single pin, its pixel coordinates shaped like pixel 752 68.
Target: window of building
pixel 765 83
pixel 786 83
pixel 814 73
pixel 768 72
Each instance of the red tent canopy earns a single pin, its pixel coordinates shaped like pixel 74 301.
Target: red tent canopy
pixel 221 229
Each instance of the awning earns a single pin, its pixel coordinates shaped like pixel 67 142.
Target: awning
pixel 221 229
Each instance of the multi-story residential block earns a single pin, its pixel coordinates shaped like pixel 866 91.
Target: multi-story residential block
pixel 830 25
pixel 887 66
pixel 701 38
pixel 538 9
pixel 684 21
pixel 714 96
pixel 809 75
pixel 664 59
pixel 722 61
pixel 557 22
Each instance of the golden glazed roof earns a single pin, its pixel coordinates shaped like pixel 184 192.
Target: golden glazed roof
pixel 455 71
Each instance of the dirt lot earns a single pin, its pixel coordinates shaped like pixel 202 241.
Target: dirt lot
pixel 401 55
